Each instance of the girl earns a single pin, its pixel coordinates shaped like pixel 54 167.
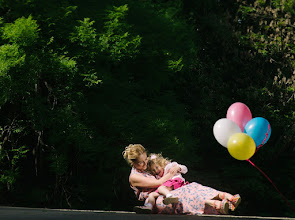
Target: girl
pixel 159 166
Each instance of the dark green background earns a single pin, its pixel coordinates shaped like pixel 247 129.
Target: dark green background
pixel 80 80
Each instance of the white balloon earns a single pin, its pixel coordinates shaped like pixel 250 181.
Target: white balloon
pixel 223 129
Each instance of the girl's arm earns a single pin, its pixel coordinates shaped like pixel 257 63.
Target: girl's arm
pixel 137 180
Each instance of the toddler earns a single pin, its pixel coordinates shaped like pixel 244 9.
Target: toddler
pixel 159 166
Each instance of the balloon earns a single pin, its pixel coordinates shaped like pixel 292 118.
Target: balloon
pixel 223 129
pixel 240 114
pixel 259 129
pixel 241 146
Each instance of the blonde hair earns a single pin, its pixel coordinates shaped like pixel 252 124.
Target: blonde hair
pixel 157 159
pixel 132 152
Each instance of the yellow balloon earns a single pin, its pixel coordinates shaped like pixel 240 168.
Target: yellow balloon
pixel 241 146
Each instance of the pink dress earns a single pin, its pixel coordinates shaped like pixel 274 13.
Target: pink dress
pixel 192 198
pixel 177 180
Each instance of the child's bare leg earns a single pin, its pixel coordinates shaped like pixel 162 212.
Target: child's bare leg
pixel 209 202
pixel 225 195
pixel 147 208
pixel 164 190
pixel 152 198
pixel 220 206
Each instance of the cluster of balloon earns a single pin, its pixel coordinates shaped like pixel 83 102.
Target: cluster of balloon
pixel 241 134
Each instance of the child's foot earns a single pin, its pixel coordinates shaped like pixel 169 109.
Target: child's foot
pixel 169 200
pixel 234 202
pixel 221 206
pixel 142 210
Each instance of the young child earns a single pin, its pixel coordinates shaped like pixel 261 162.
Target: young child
pixel 159 166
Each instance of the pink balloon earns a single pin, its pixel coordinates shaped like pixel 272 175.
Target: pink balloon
pixel 240 114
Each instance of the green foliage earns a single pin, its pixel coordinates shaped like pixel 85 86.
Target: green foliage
pixel 11 56
pixel 85 34
pixel 81 80
pixel 67 63
pixel 11 156
pixel 17 81
pixel 175 65
pixel 270 36
pixel 116 39
pixel 24 31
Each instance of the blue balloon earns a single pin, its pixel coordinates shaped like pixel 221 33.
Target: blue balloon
pixel 259 129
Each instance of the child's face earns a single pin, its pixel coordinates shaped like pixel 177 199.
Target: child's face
pixel 157 170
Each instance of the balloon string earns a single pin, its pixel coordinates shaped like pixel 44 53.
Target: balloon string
pixel 272 184
pixel 266 135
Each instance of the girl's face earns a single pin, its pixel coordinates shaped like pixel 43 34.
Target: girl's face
pixel 141 162
pixel 157 170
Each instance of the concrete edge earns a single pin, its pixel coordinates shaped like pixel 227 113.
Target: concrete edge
pixel 133 213
pixel 219 216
